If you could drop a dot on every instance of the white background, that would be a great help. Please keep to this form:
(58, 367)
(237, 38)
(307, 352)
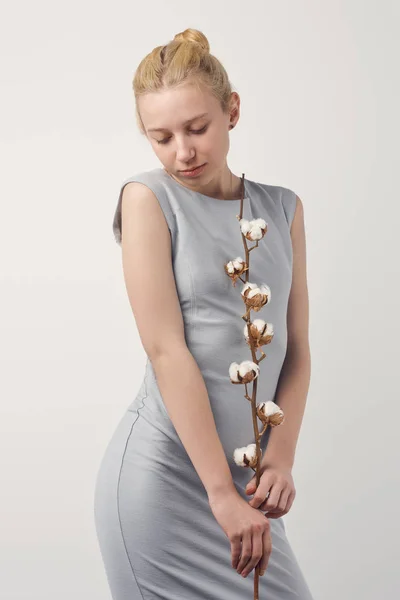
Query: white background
(319, 87)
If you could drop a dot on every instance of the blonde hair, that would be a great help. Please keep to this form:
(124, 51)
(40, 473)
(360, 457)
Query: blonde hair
(185, 59)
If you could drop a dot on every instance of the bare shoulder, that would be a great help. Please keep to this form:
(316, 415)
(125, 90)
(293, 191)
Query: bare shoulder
(139, 200)
(297, 230)
(298, 213)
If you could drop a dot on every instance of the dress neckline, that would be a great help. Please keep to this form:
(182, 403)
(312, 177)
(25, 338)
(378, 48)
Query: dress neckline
(245, 197)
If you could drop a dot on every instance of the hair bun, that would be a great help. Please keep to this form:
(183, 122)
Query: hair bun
(193, 36)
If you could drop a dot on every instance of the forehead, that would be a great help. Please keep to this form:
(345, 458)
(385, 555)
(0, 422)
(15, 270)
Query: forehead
(173, 108)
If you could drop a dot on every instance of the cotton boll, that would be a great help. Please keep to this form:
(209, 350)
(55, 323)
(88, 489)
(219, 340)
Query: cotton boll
(253, 230)
(256, 233)
(269, 330)
(246, 456)
(270, 413)
(253, 292)
(251, 451)
(238, 456)
(245, 226)
(265, 289)
(254, 298)
(238, 261)
(233, 371)
(247, 366)
(270, 408)
(247, 286)
(235, 268)
(244, 373)
(256, 328)
(259, 324)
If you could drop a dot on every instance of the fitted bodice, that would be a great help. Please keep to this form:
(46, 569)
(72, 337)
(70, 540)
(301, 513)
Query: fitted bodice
(205, 234)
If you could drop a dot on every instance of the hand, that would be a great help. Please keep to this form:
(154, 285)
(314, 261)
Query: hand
(278, 481)
(247, 529)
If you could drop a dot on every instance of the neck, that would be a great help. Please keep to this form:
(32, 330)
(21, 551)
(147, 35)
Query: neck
(224, 185)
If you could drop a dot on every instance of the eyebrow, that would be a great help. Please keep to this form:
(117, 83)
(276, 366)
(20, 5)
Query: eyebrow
(185, 123)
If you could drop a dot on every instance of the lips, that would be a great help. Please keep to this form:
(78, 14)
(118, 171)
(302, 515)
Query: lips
(192, 169)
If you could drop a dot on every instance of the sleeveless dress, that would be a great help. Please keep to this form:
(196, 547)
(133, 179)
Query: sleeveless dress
(157, 535)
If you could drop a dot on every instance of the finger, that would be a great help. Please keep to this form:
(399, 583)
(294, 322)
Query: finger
(236, 548)
(259, 496)
(283, 506)
(290, 501)
(261, 491)
(251, 486)
(272, 502)
(246, 551)
(267, 549)
(288, 506)
(256, 552)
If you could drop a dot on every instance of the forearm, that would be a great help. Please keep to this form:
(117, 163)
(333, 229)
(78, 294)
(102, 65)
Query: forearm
(186, 399)
(291, 396)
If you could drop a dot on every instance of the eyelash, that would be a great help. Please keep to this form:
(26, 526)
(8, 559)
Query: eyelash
(196, 131)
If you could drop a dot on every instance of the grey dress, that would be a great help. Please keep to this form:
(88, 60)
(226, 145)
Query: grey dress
(157, 535)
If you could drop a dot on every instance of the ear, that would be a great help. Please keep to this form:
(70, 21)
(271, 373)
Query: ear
(234, 108)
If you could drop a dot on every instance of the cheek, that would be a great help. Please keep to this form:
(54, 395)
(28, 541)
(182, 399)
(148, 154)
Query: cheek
(216, 144)
(162, 152)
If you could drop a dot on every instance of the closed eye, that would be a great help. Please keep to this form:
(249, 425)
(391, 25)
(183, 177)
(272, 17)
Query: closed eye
(195, 131)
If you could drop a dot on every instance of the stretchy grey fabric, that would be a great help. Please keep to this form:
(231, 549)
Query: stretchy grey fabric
(157, 535)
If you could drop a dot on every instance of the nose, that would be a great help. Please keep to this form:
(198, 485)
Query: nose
(184, 150)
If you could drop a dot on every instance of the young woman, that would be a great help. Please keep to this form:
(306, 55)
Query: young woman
(177, 517)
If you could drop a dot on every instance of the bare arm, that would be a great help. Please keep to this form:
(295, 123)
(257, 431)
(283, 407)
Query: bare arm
(294, 379)
(149, 280)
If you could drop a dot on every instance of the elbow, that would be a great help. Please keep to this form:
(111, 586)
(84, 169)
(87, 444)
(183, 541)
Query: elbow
(159, 353)
(299, 351)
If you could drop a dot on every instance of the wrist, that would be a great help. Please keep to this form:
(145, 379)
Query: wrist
(270, 461)
(221, 491)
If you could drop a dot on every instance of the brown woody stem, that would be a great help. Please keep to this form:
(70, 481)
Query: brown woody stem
(257, 434)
